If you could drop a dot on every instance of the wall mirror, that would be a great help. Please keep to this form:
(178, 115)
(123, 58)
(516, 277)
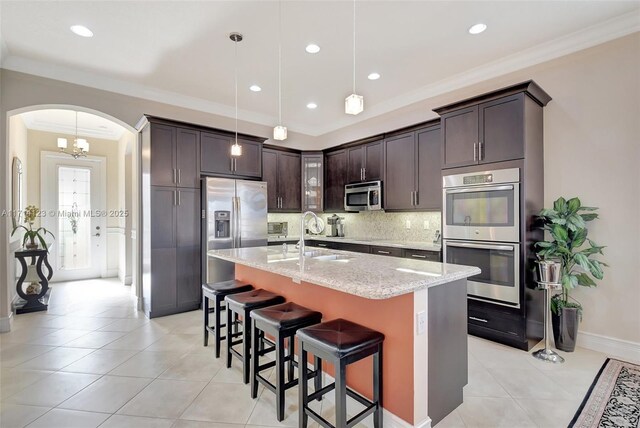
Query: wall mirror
(17, 190)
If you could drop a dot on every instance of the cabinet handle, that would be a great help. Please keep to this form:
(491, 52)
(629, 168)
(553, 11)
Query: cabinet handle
(364, 174)
(322, 245)
(173, 179)
(175, 197)
(475, 152)
(418, 256)
(235, 165)
(415, 197)
(179, 175)
(411, 198)
(480, 150)
(231, 167)
(383, 252)
(179, 198)
(478, 319)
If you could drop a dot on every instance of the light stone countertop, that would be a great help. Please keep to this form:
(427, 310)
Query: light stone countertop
(413, 245)
(366, 275)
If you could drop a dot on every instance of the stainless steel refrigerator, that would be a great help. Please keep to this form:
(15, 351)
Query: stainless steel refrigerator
(235, 216)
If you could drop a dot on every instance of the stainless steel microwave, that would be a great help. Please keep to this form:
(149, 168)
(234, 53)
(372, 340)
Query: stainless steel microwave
(363, 196)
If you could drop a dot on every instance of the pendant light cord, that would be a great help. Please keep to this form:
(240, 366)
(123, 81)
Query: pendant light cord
(75, 142)
(354, 46)
(279, 62)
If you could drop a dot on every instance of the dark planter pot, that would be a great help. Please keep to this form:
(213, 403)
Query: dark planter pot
(565, 329)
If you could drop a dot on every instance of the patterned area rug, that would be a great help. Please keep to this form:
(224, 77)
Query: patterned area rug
(613, 399)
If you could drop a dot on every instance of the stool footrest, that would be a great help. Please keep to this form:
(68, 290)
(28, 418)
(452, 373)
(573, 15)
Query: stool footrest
(359, 398)
(319, 393)
(266, 366)
(319, 419)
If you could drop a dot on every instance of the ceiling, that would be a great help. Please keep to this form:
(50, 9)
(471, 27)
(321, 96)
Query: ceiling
(179, 51)
(64, 122)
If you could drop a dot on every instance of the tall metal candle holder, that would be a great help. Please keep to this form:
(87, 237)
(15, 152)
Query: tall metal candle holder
(550, 273)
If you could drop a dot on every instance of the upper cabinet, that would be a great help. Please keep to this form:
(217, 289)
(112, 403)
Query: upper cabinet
(216, 159)
(174, 156)
(335, 178)
(412, 170)
(365, 162)
(281, 171)
(490, 128)
(312, 182)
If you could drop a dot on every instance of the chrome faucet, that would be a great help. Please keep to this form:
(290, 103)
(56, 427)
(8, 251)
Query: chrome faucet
(301, 243)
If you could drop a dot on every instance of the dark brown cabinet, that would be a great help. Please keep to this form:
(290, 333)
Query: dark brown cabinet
(412, 170)
(335, 179)
(174, 160)
(187, 158)
(188, 248)
(489, 132)
(216, 159)
(282, 172)
(365, 162)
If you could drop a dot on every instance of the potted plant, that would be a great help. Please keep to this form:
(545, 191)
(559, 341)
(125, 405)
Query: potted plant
(34, 237)
(566, 223)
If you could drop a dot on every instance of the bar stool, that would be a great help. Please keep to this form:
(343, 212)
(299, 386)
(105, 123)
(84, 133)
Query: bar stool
(280, 321)
(217, 292)
(341, 342)
(242, 304)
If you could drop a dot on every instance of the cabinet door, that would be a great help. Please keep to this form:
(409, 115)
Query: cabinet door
(289, 181)
(188, 248)
(399, 183)
(163, 213)
(270, 175)
(215, 153)
(163, 281)
(335, 177)
(429, 178)
(312, 182)
(502, 129)
(163, 152)
(355, 158)
(460, 137)
(250, 163)
(187, 158)
(373, 161)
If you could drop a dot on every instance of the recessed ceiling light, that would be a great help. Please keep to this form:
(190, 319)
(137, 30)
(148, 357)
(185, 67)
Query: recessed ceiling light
(477, 29)
(373, 76)
(312, 48)
(312, 106)
(255, 88)
(81, 30)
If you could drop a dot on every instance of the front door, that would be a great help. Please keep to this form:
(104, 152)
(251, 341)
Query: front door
(73, 200)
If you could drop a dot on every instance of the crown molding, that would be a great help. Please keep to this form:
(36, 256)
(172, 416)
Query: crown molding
(60, 128)
(591, 36)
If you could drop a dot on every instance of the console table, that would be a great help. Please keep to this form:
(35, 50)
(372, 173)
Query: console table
(33, 272)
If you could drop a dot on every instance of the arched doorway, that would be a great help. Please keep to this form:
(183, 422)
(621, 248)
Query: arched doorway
(93, 239)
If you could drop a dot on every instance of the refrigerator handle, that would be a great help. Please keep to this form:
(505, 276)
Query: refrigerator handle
(238, 218)
(234, 222)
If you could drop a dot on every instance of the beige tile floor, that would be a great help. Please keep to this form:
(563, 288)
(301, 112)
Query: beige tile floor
(93, 360)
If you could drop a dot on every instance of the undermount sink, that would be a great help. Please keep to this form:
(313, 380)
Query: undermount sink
(331, 257)
(312, 254)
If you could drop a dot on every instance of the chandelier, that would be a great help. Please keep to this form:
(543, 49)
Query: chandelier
(80, 146)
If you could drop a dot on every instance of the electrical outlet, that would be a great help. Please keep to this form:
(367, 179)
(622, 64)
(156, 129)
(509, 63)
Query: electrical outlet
(425, 225)
(421, 322)
(407, 224)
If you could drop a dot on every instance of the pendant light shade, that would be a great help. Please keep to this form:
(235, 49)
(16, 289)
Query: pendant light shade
(354, 103)
(280, 133)
(62, 143)
(236, 149)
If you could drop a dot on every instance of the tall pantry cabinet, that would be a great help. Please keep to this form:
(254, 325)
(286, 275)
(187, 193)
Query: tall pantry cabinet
(171, 219)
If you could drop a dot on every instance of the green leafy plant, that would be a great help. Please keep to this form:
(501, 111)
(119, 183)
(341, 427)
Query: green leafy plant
(566, 223)
(31, 234)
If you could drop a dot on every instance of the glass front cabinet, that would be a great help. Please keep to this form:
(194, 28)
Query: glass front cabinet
(312, 179)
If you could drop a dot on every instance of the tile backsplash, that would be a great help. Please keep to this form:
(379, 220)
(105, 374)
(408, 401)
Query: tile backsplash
(377, 225)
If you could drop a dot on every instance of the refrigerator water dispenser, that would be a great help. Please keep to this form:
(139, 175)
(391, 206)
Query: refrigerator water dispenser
(222, 223)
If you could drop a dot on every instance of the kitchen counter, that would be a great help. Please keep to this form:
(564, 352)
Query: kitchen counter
(364, 275)
(413, 245)
(420, 307)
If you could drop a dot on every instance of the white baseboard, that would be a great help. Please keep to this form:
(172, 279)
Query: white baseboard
(389, 419)
(110, 273)
(5, 323)
(128, 280)
(610, 345)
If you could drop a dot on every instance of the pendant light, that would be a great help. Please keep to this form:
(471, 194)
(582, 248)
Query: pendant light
(80, 145)
(236, 149)
(280, 132)
(354, 104)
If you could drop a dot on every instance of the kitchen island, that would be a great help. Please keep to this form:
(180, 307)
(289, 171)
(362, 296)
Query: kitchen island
(420, 307)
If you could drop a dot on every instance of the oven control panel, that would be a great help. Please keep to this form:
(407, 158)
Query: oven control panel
(478, 179)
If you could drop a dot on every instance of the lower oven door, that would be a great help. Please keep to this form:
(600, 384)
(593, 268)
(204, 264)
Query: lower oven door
(499, 281)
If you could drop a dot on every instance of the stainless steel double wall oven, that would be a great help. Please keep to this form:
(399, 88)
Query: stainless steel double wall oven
(481, 227)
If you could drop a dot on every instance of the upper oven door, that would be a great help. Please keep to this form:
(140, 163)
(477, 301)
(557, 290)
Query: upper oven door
(499, 281)
(485, 213)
